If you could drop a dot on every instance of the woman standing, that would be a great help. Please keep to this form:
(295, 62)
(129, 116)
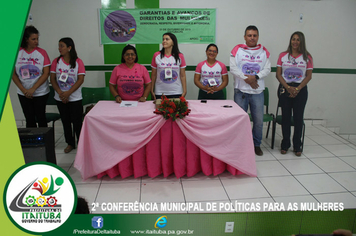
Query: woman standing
(294, 71)
(130, 80)
(211, 75)
(30, 76)
(168, 70)
(67, 76)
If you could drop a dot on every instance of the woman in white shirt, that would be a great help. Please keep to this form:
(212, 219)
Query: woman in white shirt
(294, 71)
(67, 76)
(31, 78)
(168, 70)
(211, 75)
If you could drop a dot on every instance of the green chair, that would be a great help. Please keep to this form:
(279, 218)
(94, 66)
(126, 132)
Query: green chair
(94, 95)
(224, 91)
(267, 117)
(278, 120)
(51, 116)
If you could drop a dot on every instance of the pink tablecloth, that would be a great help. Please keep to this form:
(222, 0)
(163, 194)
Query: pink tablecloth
(134, 141)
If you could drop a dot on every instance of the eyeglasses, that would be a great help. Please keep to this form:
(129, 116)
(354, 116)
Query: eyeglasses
(129, 54)
(213, 51)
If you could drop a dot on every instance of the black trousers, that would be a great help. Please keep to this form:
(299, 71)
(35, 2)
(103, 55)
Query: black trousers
(34, 110)
(296, 106)
(219, 95)
(71, 113)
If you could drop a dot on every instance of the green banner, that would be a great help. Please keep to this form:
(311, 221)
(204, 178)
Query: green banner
(146, 26)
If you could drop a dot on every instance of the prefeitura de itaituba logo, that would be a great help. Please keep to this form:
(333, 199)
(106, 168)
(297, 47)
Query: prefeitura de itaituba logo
(39, 197)
(42, 207)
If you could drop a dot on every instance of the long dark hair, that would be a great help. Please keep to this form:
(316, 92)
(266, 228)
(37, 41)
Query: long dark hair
(302, 45)
(26, 35)
(128, 47)
(175, 49)
(73, 53)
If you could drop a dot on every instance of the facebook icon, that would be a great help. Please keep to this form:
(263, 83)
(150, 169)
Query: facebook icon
(97, 222)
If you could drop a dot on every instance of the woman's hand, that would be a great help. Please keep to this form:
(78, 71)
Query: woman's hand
(210, 90)
(215, 89)
(142, 99)
(206, 88)
(27, 94)
(118, 99)
(296, 91)
(30, 92)
(291, 91)
(64, 96)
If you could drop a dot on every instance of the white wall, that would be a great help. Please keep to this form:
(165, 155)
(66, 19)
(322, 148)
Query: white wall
(77, 19)
(329, 27)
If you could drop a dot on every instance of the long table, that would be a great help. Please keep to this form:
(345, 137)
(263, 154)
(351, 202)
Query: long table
(134, 141)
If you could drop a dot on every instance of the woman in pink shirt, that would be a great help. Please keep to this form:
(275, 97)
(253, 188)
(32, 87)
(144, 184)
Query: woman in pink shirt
(130, 81)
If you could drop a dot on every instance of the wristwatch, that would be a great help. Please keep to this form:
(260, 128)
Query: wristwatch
(257, 77)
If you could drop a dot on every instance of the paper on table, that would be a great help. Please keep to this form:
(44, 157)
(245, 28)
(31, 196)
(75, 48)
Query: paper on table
(128, 104)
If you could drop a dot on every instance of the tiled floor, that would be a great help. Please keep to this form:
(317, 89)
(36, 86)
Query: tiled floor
(326, 172)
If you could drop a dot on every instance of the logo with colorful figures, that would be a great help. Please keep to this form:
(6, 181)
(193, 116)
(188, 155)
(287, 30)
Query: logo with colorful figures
(39, 197)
